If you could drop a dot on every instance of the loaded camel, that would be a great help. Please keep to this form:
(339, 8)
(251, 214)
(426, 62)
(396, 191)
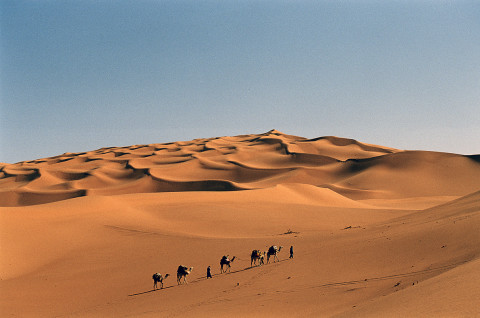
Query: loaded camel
(273, 250)
(257, 255)
(183, 271)
(226, 261)
(158, 278)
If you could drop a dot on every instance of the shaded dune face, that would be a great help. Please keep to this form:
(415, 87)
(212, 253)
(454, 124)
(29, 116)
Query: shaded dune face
(351, 168)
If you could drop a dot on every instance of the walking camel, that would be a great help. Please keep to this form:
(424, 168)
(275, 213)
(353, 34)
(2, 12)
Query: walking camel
(183, 271)
(273, 250)
(257, 255)
(158, 278)
(225, 261)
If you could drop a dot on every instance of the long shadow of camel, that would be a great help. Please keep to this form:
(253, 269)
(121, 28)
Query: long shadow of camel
(427, 270)
(202, 279)
(252, 267)
(151, 291)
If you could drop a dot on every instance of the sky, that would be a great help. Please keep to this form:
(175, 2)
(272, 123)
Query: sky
(81, 75)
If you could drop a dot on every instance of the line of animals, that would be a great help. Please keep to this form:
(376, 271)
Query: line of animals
(255, 256)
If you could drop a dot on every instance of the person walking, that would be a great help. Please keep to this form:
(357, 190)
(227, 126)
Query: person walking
(209, 273)
(291, 251)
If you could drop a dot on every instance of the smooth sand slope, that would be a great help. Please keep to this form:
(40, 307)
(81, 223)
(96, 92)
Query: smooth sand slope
(376, 231)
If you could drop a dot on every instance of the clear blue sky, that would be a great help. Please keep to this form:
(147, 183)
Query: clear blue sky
(81, 75)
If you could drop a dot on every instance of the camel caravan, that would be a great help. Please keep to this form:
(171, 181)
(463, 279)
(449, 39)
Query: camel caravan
(225, 265)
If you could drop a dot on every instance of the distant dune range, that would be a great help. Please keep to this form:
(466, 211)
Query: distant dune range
(347, 167)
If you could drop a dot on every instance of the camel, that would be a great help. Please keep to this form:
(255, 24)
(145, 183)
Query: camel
(273, 250)
(225, 261)
(158, 278)
(257, 255)
(262, 258)
(183, 271)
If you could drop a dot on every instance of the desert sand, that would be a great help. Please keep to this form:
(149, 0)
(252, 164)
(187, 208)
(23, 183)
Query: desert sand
(376, 231)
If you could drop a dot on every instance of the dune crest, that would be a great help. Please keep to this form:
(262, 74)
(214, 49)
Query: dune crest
(353, 169)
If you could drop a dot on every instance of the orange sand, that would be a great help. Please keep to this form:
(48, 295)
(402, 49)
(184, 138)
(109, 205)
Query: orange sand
(376, 231)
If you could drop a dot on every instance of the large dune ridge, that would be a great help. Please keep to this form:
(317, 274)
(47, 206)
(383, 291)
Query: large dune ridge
(376, 231)
(350, 168)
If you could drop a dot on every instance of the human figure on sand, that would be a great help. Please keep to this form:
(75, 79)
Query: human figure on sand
(209, 272)
(225, 261)
(291, 251)
(158, 278)
(183, 271)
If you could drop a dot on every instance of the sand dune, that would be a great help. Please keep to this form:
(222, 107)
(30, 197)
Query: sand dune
(376, 231)
(351, 168)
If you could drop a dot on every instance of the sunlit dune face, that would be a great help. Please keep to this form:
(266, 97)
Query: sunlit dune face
(369, 228)
(348, 167)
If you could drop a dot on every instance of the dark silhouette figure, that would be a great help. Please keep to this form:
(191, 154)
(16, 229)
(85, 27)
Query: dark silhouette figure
(257, 254)
(182, 272)
(158, 278)
(209, 273)
(291, 251)
(273, 250)
(226, 261)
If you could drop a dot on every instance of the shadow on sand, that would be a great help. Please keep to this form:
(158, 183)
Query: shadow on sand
(205, 278)
(151, 291)
(352, 282)
(401, 275)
